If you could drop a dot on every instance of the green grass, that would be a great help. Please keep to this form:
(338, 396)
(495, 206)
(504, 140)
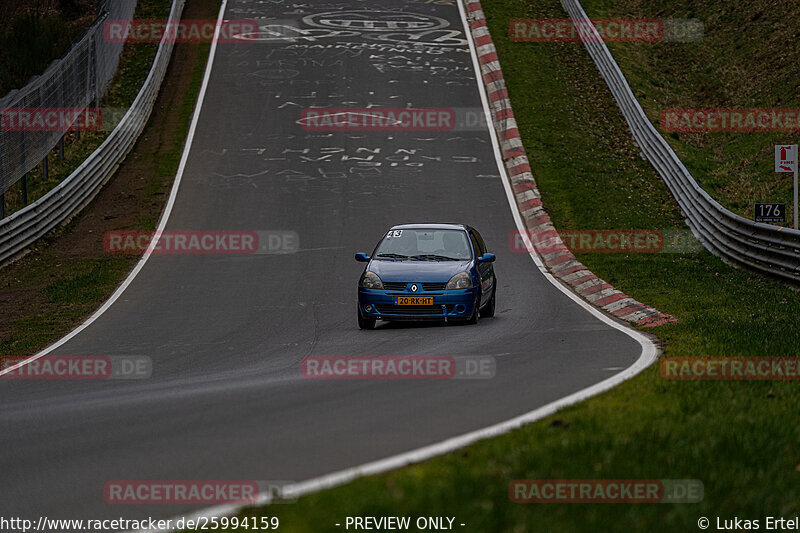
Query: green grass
(87, 283)
(76, 292)
(741, 439)
(135, 63)
(744, 60)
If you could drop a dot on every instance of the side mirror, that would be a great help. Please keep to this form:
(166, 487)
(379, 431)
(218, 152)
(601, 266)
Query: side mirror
(361, 257)
(486, 258)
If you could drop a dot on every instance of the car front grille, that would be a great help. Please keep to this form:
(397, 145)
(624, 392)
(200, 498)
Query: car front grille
(401, 286)
(415, 310)
(395, 285)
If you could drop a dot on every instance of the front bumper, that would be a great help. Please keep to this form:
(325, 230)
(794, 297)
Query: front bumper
(453, 304)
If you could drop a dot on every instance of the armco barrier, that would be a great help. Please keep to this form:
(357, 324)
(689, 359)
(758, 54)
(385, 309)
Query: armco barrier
(768, 249)
(23, 228)
(558, 259)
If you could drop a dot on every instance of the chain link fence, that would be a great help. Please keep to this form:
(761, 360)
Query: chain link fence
(21, 229)
(77, 80)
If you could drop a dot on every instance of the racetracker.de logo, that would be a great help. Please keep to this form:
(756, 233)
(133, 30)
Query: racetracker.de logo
(50, 119)
(377, 119)
(397, 367)
(180, 492)
(598, 241)
(606, 491)
(608, 30)
(731, 120)
(567, 30)
(182, 31)
(201, 242)
(80, 367)
(730, 368)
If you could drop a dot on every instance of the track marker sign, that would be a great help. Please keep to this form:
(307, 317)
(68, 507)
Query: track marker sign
(786, 161)
(770, 213)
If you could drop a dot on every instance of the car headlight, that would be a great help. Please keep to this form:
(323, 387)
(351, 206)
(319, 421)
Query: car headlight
(371, 281)
(459, 281)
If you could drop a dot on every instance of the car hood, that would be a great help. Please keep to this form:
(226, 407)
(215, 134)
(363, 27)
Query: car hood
(432, 271)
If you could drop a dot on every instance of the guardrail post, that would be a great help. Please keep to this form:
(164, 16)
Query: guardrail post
(2, 185)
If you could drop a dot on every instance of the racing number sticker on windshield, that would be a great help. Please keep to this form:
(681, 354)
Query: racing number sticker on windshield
(394, 233)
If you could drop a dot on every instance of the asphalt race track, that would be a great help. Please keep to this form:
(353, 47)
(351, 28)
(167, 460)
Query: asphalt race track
(226, 333)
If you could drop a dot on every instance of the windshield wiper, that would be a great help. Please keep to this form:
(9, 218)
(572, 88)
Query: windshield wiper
(393, 256)
(434, 257)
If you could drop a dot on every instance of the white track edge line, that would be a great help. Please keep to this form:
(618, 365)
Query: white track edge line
(164, 216)
(648, 356)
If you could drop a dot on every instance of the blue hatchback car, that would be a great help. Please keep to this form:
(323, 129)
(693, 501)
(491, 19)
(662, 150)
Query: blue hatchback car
(427, 272)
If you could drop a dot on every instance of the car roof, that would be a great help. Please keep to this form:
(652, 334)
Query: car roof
(462, 227)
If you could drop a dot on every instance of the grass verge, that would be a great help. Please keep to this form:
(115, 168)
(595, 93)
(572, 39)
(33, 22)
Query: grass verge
(68, 275)
(745, 59)
(739, 438)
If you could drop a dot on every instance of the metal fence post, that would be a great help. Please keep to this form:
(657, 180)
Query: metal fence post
(2, 185)
(94, 68)
(24, 183)
(61, 103)
(45, 169)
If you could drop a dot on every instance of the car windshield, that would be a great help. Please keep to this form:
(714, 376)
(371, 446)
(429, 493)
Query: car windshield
(424, 245)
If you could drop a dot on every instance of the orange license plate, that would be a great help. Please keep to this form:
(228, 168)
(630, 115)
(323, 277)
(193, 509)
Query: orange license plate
(413, 300)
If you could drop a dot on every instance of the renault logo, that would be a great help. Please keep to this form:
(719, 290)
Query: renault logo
(414, 288)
